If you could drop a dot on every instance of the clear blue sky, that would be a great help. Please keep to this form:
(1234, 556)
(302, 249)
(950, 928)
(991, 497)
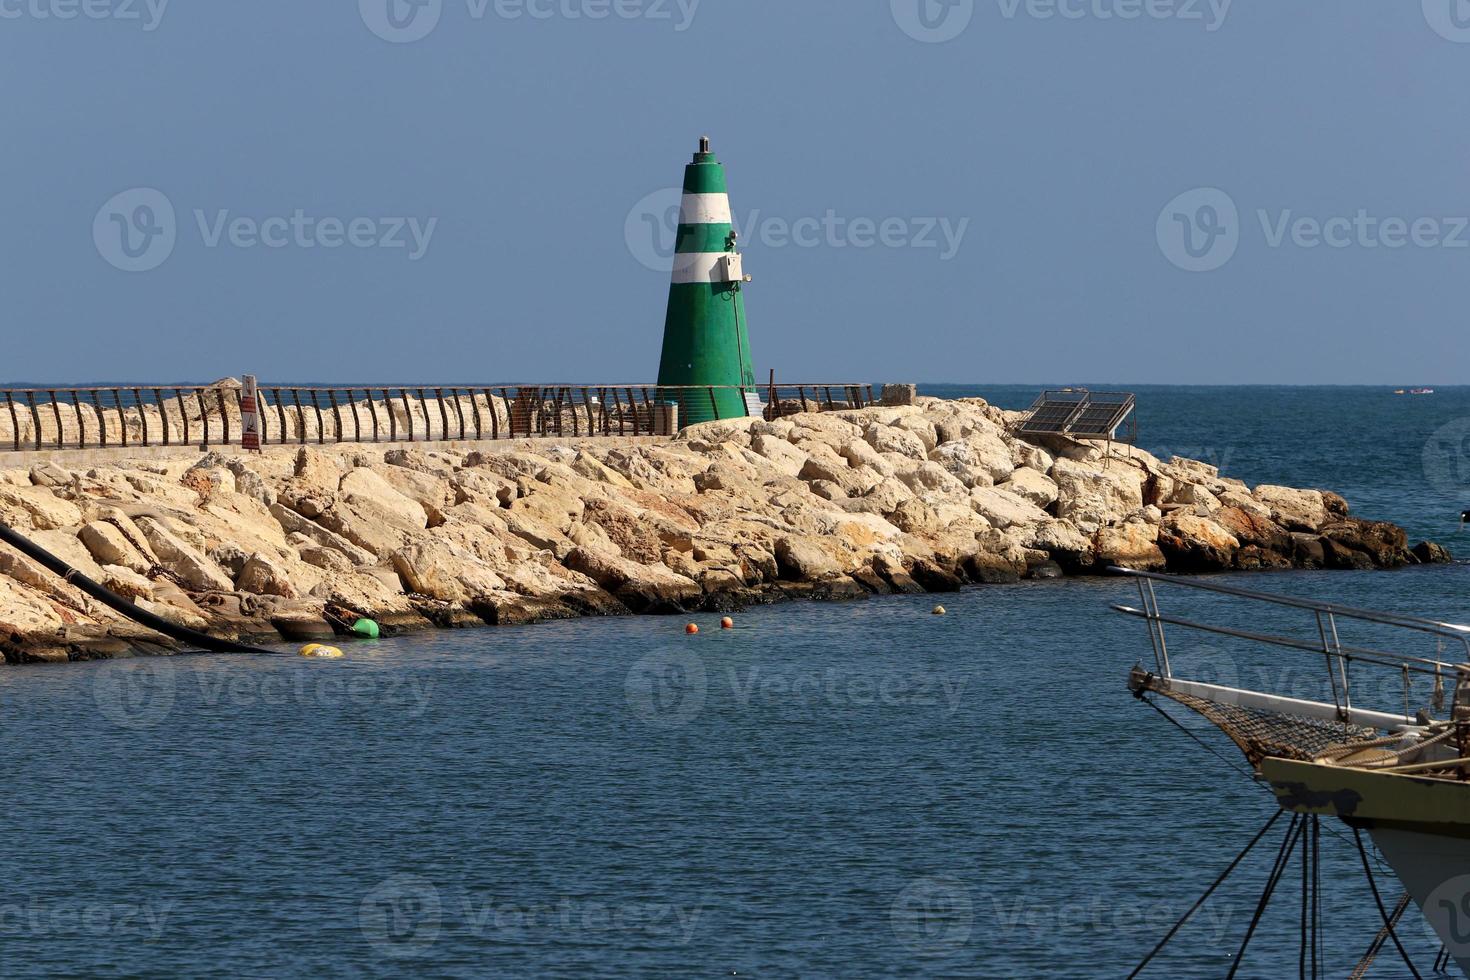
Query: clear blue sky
(1047, 145)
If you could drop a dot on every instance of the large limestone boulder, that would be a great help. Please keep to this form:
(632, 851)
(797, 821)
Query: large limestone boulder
(1341, 555)
(655, 470)
(109, 546)
(17, 567)
(707, 434)
(1092, 496)
(728, 477)
(25, 614)
(901, 442)
(1002, 508)
(861, 455)
(431, 568)
(780, 428)
(824, 469)
(193, 569)
(1033, 457)
(643, 588)
(36, 507)
(431, 491)
(1061, 540)
(1194, 471)
(126, 582)
(1032, 485)
(53, 477)
(805, 560)
(542, 536)
(295, 524)
(1386, 544)
(1244, 501)
(914, 516)
(887, 495)
(931, 477)
(263, 574)
(483, 487)
(1131, 545)
(187, 615)
(317, 469)
(1254, 527)
(253, 485)
(69, 548)
(1296, 510)
(1254, 558)
(1430, 553)
(1307, 550)
(866, 532)
(367, 484)
(588, 465)
(782, 455)
(960, 459)
(1194, 495)
(239, 520)
(1197, 544)
(992, 454)
(1336, 504)
(921, 427)
(638, 535)
(369, 525)
(826, 427)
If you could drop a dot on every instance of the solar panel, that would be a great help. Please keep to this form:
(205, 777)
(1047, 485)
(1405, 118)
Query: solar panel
(1102, 416)
(1079, 413)
(1054, 411)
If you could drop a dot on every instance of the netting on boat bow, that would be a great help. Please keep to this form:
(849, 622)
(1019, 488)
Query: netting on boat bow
(1261, 733)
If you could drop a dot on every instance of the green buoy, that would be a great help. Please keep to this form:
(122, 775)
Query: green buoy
(705, 337)
(366, 628)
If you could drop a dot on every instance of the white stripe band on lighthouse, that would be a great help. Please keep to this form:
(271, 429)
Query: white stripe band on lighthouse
(700, 267)
(705, 209)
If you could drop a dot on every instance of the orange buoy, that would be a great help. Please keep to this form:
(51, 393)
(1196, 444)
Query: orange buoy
(727, 623)
(691, 629)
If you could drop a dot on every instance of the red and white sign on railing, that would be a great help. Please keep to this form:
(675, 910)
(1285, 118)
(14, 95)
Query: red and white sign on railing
(250, 415)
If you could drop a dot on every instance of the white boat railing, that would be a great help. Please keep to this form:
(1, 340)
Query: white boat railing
(1338, 658)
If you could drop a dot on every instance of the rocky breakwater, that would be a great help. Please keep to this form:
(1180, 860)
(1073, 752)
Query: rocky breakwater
(841, 504)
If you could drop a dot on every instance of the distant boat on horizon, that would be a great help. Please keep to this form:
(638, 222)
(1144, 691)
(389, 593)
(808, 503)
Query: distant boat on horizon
(1414, 391)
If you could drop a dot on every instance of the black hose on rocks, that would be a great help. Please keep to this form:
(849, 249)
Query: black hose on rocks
(116, 602)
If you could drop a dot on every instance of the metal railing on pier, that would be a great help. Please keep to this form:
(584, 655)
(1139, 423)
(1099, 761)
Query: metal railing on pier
(127, 416)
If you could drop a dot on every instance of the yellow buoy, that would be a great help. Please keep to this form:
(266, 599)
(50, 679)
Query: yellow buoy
(320, 651)
(940, 610)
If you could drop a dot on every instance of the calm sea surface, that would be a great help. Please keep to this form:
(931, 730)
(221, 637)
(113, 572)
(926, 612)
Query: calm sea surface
(829, 790)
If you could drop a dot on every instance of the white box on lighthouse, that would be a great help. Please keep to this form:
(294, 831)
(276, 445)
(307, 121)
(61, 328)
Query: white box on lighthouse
(732, 268)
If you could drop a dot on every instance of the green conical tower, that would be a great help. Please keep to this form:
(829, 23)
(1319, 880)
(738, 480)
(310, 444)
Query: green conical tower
(705, 337)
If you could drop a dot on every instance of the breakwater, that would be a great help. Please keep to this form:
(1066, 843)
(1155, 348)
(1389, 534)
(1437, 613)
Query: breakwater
(840, 504)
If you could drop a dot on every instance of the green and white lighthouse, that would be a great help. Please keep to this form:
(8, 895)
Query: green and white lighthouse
(706, 341)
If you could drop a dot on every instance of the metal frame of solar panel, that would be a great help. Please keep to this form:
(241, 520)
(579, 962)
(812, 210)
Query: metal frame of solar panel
(1053, 411)
(1105, 411)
